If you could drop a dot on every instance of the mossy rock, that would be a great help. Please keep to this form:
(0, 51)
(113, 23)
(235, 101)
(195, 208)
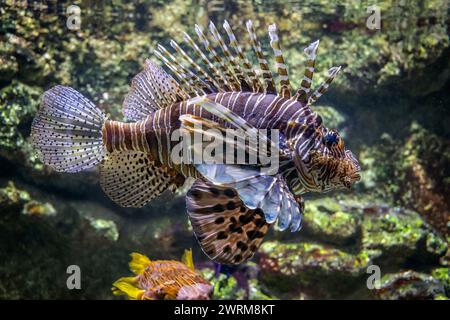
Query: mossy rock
(320, 271)
(401, 236)
(327, 220)
(410, 285)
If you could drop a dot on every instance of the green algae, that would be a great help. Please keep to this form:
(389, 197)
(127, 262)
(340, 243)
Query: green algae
(225, 287)
(107, 228)
(411, 285)
(327, 220)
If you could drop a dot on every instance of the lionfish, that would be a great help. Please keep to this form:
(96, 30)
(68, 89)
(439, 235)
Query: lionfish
(163, 280)
(231, 207)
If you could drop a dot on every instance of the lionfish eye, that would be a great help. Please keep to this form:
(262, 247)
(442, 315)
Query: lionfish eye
(332, 138)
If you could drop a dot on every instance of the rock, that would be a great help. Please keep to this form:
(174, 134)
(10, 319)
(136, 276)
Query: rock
(410, 174)
(107, 228)
(225, 286)
(443, 275)
(399, 235)
(36, 208)
(12, 198)
(18, 104)
(327, 220)
(319, 271)
(410, 285)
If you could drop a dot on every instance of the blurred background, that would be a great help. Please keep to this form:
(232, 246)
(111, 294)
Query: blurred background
(391, 101)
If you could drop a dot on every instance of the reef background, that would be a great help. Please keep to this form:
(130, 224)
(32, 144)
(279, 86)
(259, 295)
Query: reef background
(391, 101)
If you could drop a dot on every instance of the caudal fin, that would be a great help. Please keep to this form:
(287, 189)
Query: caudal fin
(67, 131)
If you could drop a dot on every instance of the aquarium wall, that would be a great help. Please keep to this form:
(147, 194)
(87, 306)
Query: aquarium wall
(386, 238)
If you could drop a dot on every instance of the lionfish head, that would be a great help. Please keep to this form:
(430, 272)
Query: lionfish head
(325, 164)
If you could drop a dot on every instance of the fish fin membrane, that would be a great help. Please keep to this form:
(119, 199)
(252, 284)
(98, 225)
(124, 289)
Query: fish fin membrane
(138, 262)
(131, 179)
(127, 286)
(257, 190)
(239, 143)
(151, 90)
(187, 259)
(228, 117)
(67, 131)
(227, 231)
(230, 70)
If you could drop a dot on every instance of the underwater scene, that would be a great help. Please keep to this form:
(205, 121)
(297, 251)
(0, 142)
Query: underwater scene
(349, 100)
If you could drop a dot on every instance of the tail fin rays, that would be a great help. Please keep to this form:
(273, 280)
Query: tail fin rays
(67, 131)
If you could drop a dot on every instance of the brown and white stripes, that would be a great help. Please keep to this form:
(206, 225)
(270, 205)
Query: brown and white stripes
(152, 135)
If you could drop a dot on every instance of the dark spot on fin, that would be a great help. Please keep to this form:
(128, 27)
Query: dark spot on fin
(227, 231)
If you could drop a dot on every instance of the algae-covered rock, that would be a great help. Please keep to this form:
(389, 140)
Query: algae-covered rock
(107, 228)
(18, 104)
(399, 236)
(443, 275)
(225, 286)
(410, 285)
(327, 220)
(321, 270)
(35, 208)
(240, 282)
(11, 197)
(412, 173)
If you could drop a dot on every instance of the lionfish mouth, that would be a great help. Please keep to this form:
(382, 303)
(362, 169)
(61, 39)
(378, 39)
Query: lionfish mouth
(350, 180)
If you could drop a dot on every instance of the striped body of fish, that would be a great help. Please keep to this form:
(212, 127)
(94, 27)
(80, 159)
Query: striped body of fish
(231, 206)
(163, 280)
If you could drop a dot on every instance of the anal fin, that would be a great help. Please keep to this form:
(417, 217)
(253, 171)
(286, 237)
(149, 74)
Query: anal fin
(131, 179)
(228, 231)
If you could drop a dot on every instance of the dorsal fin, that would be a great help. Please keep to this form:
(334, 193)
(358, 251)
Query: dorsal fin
(197, 84)
(234, 72)
(185, 82)
(212, 69)
(231, 81)
(305, 86)
(151, 89)
(285, 85)
(243, 83)
(254, 81)
(267, 75)
(332, 73)
(212, 84)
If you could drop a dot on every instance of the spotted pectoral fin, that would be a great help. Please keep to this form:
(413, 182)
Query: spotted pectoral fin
(131, 179)
(228, 231)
